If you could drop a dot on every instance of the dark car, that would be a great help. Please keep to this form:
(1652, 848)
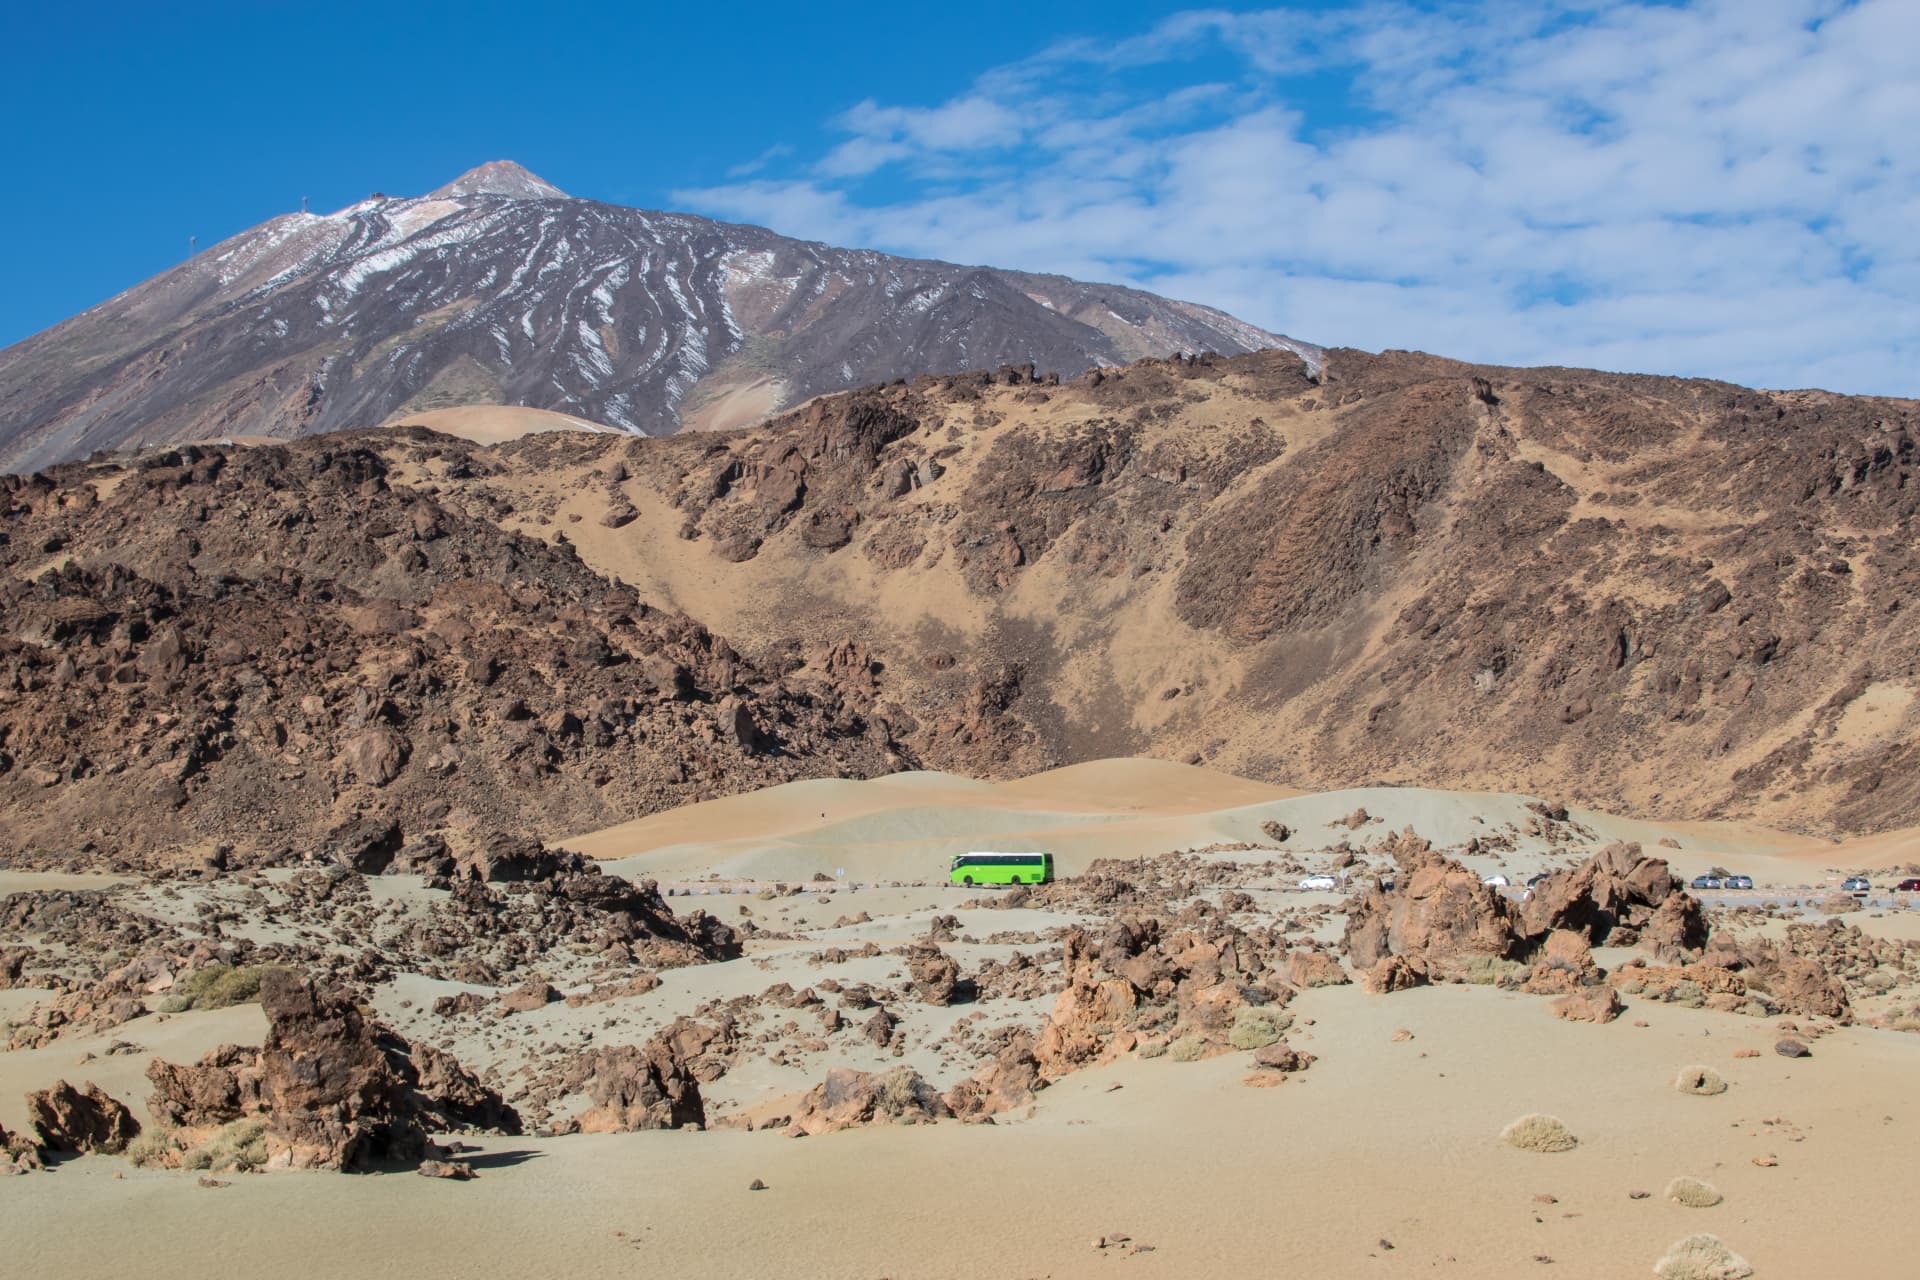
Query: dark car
(1739, 882)
(1707, 882)
(1910, 885)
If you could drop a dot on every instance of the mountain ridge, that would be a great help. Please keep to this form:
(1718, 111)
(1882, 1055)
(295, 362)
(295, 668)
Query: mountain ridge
(497, 288)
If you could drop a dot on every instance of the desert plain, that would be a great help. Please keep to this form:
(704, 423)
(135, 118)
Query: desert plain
(1157, 1134)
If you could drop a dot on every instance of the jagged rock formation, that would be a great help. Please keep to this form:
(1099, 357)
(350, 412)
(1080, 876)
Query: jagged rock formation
(331, 1090)
(287, 650)
(500, 288)
(81, 1120)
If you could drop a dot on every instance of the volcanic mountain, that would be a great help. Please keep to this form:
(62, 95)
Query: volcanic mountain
(500, 288)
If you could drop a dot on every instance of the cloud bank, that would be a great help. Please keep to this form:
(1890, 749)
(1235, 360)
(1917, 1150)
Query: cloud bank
(1728, 188)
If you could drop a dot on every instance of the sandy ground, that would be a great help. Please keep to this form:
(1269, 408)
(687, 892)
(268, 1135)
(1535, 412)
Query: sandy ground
(494, 423)
(1383, 1140)
(906, 827)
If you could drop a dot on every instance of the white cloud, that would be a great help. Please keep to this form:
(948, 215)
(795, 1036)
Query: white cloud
(1727, 188)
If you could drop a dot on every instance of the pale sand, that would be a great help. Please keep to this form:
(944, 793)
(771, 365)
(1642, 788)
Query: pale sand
(1380, 1140)
(183, 1037)
(494, 423)
(907, 826)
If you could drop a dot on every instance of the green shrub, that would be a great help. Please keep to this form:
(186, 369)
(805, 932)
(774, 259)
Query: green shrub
(1702, 1081)
(1694, 1193)
(1187, 1049)
(1492, 971)
(1702, 1257)
(1255, 1028)
(155, 1148)
(1538, 1132)
(215, 987)
(239, 1147)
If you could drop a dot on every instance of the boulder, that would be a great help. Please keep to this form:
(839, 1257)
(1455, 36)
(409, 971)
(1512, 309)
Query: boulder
(375, 755)
(1617, 888)
(936, 974)
(1438, 914)
(18, 1153)
(532, 994)
(848, 1098)
(1280, 1056)
(366, 845)
(640, 1087)
(331, 1098)
(86, 1121)
(331, 1090)
(221, 1088)
(1562, 964)
(1391, 973)
(1009, 1081)
(1589, 1004)
(1309, 967)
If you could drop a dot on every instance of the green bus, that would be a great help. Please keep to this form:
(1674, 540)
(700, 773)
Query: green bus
(1001, 868)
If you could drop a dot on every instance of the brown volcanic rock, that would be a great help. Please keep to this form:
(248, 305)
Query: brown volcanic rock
(331, 1098)
(89, 1120)
(329, 647)
(848, 1098)
(18, 1153)
(644, 1087)
(1412, 563)
(1619, 887)
(1438, 915)
(331, 1090)
(935, 974)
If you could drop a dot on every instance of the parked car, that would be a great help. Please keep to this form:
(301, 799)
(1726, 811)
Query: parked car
(1855, 884)
(1497, 880)
(1319, 882)
(1707, 882)
(1910, 885)
(1739, 882)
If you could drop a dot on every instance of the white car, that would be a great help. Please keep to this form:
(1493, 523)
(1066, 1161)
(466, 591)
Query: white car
(1319, 882)
(1497, 880)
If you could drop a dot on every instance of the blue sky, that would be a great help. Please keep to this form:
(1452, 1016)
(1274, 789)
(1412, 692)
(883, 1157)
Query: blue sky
(1717, 187)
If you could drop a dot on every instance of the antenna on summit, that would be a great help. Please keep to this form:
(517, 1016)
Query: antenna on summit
(303, 204)
(193, 245)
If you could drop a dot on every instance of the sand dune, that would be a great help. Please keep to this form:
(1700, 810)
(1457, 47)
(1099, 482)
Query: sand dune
(493, 423)
(907, 826)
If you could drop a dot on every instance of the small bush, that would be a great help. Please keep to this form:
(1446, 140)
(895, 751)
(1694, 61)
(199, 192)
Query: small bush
(1187, 1049)
(1694, 1193)
(155, 1149)
(1492, 971)
(1152, 1049)
(1538, 1133)
(1702, 1257)
(1701, 1081)
(215, 987)
(239, 1147)
(1257, 1028)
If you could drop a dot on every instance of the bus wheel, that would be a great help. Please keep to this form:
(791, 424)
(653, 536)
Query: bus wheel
(967, 881)
(1013, 880)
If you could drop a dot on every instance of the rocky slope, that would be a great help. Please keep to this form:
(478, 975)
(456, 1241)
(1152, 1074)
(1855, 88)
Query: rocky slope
(246, 655)
(500, 288)
(1661, 596)
(1654, 596)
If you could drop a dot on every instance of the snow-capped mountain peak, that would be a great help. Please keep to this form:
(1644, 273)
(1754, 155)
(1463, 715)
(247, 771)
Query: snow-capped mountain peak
(499, 288)
(500, 178)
